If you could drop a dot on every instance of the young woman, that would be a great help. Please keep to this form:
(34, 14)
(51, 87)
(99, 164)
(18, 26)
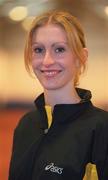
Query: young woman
(65, 132)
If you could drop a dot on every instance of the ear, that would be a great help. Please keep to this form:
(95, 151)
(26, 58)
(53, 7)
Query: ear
(85, 54)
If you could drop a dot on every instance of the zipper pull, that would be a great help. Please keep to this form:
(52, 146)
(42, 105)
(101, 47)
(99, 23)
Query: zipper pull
(46, 131)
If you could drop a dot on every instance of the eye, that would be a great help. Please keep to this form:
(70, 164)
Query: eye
(60, 50)
(38, 50)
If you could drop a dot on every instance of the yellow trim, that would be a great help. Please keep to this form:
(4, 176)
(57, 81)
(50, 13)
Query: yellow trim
(49, 114)
(91, 172)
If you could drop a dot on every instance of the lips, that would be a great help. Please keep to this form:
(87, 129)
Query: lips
(50, 73)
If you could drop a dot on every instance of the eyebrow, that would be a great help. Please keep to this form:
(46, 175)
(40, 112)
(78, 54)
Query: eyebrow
(39, 43)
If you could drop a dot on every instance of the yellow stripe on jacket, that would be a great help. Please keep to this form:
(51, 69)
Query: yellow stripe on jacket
(49, 114)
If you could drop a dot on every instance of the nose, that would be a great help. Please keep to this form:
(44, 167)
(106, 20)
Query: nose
(48, 59)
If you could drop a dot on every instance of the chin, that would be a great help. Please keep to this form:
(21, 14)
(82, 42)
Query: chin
(50, 87)
(53, 86)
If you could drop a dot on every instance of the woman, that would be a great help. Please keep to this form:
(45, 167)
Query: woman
(65, 132)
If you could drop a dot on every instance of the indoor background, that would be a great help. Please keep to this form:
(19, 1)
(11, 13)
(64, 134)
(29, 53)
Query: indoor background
(17, 88)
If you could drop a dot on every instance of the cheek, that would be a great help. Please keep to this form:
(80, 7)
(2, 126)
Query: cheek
(71, 63)
(34, 63)
(72, 68)
(34, 67)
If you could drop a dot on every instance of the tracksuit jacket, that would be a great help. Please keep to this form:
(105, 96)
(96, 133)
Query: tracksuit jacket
(78, 136)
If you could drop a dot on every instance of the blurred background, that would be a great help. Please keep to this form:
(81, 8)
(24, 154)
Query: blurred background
(17, 89)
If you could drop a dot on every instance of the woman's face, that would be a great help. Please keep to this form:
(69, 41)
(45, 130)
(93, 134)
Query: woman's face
(53, 61)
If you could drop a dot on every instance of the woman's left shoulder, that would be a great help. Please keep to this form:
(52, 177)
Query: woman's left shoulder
(101, 115)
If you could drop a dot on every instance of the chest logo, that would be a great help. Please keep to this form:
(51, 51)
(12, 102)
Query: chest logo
(51, 167)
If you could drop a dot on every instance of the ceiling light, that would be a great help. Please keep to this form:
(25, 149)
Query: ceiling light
(26, 23)
(106, 10)
(18, 13)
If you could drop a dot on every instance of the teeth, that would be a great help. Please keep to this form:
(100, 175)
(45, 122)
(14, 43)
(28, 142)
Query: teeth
(50, 73)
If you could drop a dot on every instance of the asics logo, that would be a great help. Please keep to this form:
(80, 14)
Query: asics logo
(53, 168)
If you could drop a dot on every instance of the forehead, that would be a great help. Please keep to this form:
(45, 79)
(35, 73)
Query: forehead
(51, 32)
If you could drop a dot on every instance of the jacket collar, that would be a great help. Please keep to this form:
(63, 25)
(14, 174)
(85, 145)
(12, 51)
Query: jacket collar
(64, 112)
(84, 94)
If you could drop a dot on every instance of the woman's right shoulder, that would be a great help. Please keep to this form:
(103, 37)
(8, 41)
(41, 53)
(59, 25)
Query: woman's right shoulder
(29, 119)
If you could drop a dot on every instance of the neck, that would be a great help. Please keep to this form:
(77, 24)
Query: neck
(53, 97)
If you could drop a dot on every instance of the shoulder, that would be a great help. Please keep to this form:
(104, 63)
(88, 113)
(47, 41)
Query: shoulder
(28, 125)
(30, 118)
(97, 114)
(26, 131)
(99, 122)
(100, 114)
(95, 119)
(100, 111)
(100, 134)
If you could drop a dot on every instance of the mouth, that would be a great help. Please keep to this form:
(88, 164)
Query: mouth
(51, 73)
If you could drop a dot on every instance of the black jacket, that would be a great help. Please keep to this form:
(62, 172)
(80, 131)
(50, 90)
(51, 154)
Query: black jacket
(78, 135)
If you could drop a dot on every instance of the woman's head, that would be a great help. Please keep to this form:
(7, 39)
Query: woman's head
(74, 33)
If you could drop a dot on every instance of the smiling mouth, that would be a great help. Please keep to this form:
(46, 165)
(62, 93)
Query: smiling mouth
(50, 73)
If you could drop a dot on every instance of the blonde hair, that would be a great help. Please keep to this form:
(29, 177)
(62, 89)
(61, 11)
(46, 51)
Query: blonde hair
(74, 32)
